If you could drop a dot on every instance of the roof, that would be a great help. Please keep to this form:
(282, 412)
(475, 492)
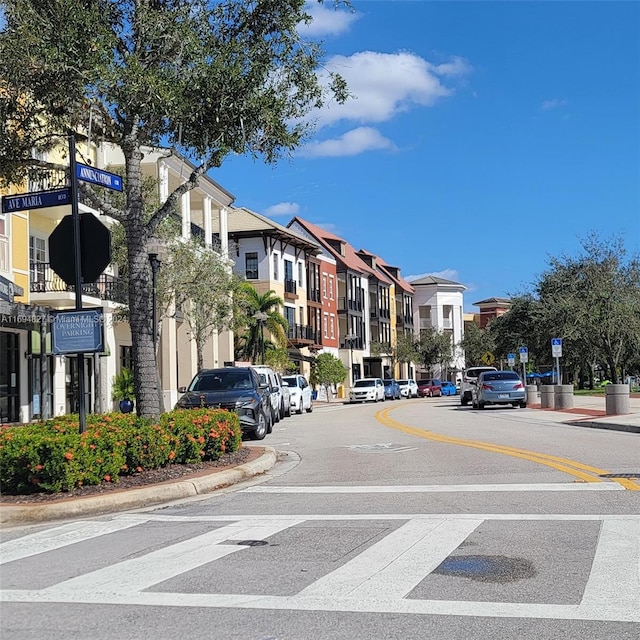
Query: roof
(399, 280)
(434, 280)
(244, 223)
(505, 301)
(349, 259)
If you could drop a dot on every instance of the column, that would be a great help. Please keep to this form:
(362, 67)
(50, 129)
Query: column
(224, 231)
(206, 212)
(185, 207)
(163, 181)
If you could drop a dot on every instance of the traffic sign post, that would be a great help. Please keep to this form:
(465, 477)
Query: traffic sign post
(556, 352)
(511, 359)
(523, 352)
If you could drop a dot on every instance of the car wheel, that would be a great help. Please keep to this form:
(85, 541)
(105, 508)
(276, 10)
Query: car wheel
(261, 429)
(523, 404)
(299, 411)
(288, 412)
(310, 407)
(481, 405)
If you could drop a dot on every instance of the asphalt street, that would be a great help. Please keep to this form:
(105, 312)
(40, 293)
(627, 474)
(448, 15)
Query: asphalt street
(406, 519)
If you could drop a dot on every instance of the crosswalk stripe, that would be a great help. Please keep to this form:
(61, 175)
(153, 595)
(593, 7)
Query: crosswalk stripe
(137, 574)
(615, 572)
(397, 563)
(61, 536)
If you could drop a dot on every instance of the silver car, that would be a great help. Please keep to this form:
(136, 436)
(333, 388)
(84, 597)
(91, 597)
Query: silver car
(498, 387)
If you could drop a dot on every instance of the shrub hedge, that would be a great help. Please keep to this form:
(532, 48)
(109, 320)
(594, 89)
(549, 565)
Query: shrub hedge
(52, 456)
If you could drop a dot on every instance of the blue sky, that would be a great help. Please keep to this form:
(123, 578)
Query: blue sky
(483, 137)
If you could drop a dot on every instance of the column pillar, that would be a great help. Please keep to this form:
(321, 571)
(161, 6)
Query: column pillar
(163, 182)
(185, 207)
(224, 231)
(207, 221)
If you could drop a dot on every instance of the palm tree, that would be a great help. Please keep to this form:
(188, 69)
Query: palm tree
(275, 323)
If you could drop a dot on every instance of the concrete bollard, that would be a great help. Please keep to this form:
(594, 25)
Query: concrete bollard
(532, 393)
(546, 396)
(616, 398)
(563, 396)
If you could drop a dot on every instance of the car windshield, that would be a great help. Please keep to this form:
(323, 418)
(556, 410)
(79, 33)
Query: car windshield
(403, 382)
(501, 375)
(364, 383)
(221, 381)
(290, 380)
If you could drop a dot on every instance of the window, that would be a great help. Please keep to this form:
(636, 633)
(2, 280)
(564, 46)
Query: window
(325, 325)
(37, 261)
(251, 265)
(301, 315)
(276, 263)
(288, 270)
(332, 325)
(331, 287)
(324, 286)
(300, 274)
(126, 358)
(290, 315)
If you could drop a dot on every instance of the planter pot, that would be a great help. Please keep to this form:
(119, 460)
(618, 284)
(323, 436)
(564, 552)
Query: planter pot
(126, 406)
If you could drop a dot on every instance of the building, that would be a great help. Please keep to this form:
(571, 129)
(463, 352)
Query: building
(439, 304)
(491, 308)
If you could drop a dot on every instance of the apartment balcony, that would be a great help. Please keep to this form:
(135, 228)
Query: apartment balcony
(346, 304)
(290, 289)
(358, 343)
(303, 335)
(47, 287)
(313, 295)
(384, 314)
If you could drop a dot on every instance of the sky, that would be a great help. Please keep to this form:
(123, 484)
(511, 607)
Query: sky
(481, 139)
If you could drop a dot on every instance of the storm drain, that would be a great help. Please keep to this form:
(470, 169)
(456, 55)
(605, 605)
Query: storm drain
(620, 475)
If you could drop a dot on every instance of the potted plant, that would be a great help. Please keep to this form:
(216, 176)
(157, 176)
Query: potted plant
(122, 389)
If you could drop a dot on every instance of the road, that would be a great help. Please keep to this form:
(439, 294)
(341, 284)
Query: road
(411, 519)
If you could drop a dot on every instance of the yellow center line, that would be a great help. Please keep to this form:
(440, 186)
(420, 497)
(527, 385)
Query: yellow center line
(583, 472)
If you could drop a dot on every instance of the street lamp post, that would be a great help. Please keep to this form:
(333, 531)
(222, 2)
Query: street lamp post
(351, 338)
(261, 317)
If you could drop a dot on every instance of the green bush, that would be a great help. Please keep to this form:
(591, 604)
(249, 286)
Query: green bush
(52, 456)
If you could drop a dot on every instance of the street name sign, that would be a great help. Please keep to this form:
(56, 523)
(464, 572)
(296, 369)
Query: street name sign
(36, 200)
(524, 354)
(77, 331)
(556, 347)
(97, 176)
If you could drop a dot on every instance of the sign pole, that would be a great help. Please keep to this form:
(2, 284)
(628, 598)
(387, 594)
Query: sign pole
(78, 271)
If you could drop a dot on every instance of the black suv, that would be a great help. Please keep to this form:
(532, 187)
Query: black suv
(235, 389)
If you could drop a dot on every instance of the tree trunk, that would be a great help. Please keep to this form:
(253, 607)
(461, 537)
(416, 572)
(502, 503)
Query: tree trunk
(140, 290)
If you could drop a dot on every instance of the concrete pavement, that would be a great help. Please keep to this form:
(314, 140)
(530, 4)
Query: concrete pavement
(588, 411)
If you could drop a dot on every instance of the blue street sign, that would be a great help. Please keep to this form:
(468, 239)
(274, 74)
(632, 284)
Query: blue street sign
(36, 200)
(523, 350)
(98, 176)
(77, 331)
(556, 342)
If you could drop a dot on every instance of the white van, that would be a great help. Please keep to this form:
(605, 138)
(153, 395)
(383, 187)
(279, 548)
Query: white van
(273, 380)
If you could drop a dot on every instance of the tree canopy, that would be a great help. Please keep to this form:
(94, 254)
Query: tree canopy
(205, 78)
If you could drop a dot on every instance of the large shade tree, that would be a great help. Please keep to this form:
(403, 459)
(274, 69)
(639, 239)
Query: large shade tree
(206, 78)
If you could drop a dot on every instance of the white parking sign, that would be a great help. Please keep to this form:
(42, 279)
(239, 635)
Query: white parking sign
(524, 354)
(556, 347)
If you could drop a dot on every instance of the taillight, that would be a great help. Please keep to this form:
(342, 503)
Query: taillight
(519, 385)
(487, 387)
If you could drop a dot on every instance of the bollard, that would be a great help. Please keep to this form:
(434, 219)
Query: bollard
(546, 396)
(563, 396)
(532, 394)
(616, 398)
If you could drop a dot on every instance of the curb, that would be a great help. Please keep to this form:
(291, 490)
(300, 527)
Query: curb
(629, 428)
(96, 505)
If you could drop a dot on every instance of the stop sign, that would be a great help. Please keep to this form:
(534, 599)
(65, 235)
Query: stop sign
(95, 249)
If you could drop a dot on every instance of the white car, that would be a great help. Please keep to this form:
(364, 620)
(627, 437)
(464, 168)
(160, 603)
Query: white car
(408, 388)
(367, 390)
(268, 375)
(299, 393)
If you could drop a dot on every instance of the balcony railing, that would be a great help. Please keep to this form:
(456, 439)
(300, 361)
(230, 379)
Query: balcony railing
(345, 304)
(314, 295)
(48, 179)
(408, 320)
(384, 313)
(303, 332)
(43, 279)
(290, 286)
(351, 344)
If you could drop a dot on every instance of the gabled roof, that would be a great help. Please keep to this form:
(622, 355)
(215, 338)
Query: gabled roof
(390, 271)
(325, 238)
(244, 223)
(435, 280)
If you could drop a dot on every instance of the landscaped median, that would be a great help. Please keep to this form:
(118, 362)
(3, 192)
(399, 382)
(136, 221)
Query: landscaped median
(53, 457)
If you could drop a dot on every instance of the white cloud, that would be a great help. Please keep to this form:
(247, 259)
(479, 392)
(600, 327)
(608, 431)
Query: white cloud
(352, 143)
(447, 274)
(385, 84)
(326, 20)
(282, 209)
(555, 103)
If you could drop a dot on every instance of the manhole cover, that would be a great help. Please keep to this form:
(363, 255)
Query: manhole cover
(252, 543)
(620, 475)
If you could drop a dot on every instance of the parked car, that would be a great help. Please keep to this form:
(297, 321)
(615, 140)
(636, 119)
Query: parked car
(408, 388)
(429, 388)
(285, 409)
(448, 388)
(498, 387)
(391, 389)
(367, 390)
(236, 389)
(300, 393)
(268, 375)
(469, 380)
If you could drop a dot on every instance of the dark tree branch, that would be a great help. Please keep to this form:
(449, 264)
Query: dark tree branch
(101, 203)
